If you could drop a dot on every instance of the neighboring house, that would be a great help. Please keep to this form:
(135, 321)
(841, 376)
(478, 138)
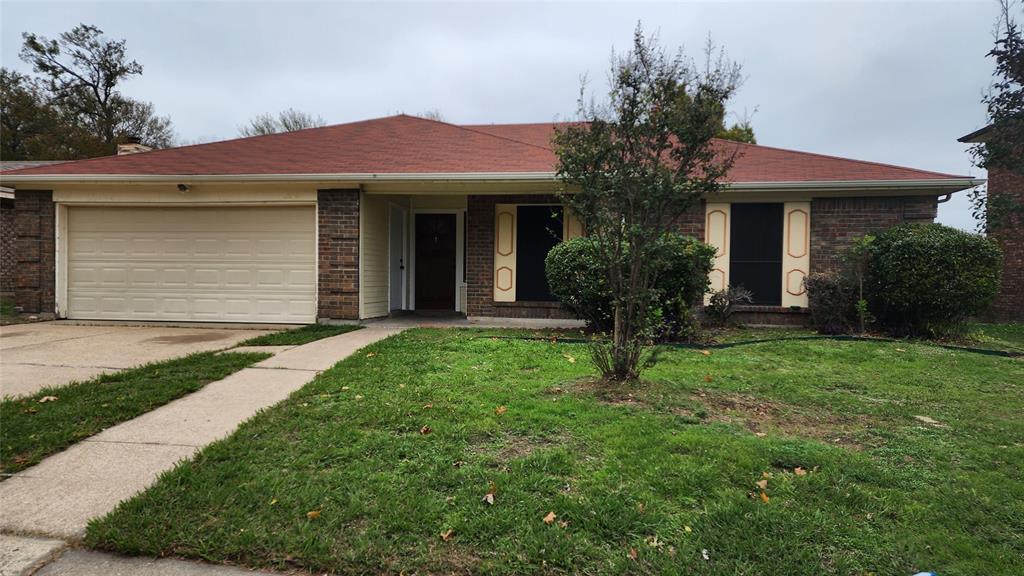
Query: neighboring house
(370, 218)
(8, 267)
(1009, 234)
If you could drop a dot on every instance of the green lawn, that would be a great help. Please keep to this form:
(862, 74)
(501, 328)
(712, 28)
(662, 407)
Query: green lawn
(303, 335)
(365, 468)
(34, 427)
(998, 336)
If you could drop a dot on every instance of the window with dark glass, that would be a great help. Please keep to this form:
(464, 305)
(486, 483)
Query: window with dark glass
(538, 230)
(755, 242)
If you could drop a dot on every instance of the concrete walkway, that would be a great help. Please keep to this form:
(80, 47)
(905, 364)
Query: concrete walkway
(58, 497)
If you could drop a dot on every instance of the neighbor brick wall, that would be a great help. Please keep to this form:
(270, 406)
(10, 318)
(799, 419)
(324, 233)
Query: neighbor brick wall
(7, 258)
(836, 223)
(34, 255)
(1009, 234)
(338, 254)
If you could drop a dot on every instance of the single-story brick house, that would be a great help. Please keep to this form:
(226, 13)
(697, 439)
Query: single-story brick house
(366, 219)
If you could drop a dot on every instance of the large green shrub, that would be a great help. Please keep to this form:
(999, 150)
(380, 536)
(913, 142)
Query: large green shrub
(927, 280)
(682, 265)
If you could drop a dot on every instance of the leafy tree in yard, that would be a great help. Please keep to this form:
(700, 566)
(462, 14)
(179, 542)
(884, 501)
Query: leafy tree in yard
(288, 120)
(739, 132)
(80, 72)
(1002, 148)
(631, 167)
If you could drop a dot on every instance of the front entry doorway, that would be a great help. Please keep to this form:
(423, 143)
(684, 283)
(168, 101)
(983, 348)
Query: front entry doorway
(435, 261)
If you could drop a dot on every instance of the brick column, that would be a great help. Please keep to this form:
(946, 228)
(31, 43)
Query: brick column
(34, 252)
(8, 260)
(338, 254)
(1009, 234)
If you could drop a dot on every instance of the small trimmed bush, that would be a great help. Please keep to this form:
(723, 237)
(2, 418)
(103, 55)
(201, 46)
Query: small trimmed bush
(682, 266)
(927, 280)
(830, 300)
(723, 303)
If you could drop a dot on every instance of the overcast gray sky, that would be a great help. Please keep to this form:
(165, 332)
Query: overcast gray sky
(895, 83)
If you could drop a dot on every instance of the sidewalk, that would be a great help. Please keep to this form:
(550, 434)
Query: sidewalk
(58, 497)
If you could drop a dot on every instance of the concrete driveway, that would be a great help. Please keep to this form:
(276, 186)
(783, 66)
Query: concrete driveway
(33, 356)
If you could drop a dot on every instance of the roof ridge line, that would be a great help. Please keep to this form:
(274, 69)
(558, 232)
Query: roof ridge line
(461, 127)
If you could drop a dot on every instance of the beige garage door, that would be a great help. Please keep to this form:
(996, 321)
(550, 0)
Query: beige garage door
(242, 264)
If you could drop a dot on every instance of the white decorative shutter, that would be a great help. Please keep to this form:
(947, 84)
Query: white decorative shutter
(505, 253)
(716, 233)
(796, 252)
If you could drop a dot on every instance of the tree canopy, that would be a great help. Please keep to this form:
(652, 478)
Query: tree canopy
(288, 120)
(633, 165)
(74, 108)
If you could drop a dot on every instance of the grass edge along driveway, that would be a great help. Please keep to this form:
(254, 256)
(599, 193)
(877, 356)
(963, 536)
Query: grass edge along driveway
(51, 420)
(302, 335)
(792, 457)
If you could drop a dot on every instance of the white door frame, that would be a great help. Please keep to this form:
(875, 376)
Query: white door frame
(405, 253)
(460, 217)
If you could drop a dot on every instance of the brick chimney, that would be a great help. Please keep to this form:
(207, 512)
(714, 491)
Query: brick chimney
(131, 145)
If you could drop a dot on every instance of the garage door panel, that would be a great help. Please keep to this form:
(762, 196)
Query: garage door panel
(216, 264)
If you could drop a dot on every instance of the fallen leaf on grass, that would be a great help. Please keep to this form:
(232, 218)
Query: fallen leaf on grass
(706, 352)
(489, 497)
(924, 419)
(550, 518)
(500, 410)
(371, 354)
(45, 399)
(447, 534)
(900, 350)
(570, 358)
(273, 502)
(428, 406)
(632, 553)
(762, 484)
(799, 471)
(707, 378)
(760, 434)
(425, 430)
(313, 514)
(764, 497)
(704, 554)
(688, 529)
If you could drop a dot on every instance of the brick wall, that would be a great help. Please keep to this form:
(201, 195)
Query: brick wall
(34, 256)
(338, 248)
(7, 258)
(1009, 304)
(836, 223)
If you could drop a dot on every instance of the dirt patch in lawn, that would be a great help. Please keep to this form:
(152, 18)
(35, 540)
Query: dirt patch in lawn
(512, 446)
(762, 416)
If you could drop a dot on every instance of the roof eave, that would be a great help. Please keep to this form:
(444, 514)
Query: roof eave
(957, 183)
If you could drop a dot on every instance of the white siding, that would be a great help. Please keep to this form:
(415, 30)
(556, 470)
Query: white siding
(373, 256)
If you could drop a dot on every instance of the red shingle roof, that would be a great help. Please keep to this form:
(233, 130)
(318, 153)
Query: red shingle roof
(410, 145)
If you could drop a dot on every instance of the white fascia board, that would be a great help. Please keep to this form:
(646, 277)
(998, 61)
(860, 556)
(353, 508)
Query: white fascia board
(944, 183)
